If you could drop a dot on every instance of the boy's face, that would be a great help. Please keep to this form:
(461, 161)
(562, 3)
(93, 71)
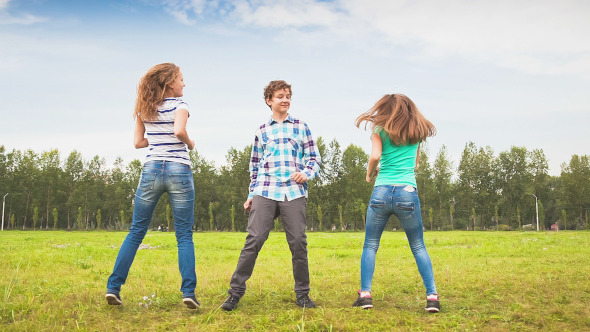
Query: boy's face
(280, 101)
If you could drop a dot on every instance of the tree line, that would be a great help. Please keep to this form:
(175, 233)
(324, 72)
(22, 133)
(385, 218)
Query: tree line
(484, 191)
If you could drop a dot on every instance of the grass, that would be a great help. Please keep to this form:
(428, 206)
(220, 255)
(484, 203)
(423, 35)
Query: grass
(56, 280)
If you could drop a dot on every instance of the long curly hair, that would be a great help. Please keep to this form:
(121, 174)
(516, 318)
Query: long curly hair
(400, 118)
(152, 88)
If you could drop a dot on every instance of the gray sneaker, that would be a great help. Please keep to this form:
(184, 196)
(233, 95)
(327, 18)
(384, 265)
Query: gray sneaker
(363, 302)
(231, 303)
(305, 302)
(432, 303)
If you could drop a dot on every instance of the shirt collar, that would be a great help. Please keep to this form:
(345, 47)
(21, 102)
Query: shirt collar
(289, 118)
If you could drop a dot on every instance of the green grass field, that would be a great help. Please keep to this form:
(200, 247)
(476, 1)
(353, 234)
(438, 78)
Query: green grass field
(55, 280)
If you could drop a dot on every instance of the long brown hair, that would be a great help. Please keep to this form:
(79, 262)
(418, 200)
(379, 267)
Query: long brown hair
(151, 89)
(400, 118)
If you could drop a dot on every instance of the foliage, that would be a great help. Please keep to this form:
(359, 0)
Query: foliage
(98, 219)
(492, 187)
(79, 218)
(320, 218)
(123, 221)
(233, 218)
(168, 216)
(35, 217)
(55, 214)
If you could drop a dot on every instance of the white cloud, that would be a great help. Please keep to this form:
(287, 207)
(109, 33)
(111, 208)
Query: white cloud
(533, 36)
(281, 14)
(182, 10)
(179, 9)
(539, 37)
(26, 19)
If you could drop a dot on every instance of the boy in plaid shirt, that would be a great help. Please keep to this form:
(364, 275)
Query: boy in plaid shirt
(284, 157)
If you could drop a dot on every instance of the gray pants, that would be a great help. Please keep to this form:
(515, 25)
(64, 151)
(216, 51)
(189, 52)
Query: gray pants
(260, 223)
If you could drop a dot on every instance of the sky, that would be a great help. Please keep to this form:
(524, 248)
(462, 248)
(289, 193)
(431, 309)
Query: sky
(496, 73)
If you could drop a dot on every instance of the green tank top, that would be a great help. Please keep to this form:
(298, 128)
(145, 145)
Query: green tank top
(397, 162)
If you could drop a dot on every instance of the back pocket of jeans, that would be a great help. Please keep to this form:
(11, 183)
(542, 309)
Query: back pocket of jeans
(181, 182)
(376, 203)
(406, 206)
(147, 181)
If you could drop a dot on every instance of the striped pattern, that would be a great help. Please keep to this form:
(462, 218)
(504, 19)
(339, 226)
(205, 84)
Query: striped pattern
(279, 150)
(160, 134)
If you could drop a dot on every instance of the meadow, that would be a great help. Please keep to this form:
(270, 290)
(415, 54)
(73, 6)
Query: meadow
(55, 280)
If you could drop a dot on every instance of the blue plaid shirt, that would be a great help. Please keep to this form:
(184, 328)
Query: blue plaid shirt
(279, 150)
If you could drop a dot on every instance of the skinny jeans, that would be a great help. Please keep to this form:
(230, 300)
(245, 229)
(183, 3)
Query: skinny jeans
(404, 203)
(158, 177)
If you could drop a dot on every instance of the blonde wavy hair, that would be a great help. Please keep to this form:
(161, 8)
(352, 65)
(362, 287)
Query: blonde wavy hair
(400, 118)
(152, 88)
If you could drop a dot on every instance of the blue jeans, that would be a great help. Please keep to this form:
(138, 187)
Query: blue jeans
(158, 177)
(404, 203)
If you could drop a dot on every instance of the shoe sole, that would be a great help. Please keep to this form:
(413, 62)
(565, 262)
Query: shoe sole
(432, 309)
(113, 300)
(365, 306)
(228, 309)
(191, 304)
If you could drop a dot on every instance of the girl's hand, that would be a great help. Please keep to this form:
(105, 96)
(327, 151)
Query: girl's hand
(191, 146)
(371, 177)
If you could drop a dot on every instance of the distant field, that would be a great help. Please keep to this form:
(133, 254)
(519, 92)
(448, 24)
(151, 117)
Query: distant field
(55, 280)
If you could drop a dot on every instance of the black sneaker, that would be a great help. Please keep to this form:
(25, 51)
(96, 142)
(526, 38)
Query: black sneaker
(305, 302)
(432, 303)
(113, 299)
(191, 302)
(363, 302)
(231, 303)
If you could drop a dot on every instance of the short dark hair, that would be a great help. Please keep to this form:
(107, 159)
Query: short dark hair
(274, 86)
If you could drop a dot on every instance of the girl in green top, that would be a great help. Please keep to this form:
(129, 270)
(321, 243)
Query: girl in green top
(398, 129)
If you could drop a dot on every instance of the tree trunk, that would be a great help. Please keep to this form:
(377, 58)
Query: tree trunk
(26, 209)
(47, 206)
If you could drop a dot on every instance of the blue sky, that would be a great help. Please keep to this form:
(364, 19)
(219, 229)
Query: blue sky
(497, 73)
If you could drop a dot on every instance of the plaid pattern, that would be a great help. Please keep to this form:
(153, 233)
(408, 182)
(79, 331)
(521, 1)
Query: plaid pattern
(279, 150)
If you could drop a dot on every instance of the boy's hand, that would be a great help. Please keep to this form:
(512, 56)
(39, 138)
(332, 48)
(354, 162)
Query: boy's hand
(299, 177)
(248, 204)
